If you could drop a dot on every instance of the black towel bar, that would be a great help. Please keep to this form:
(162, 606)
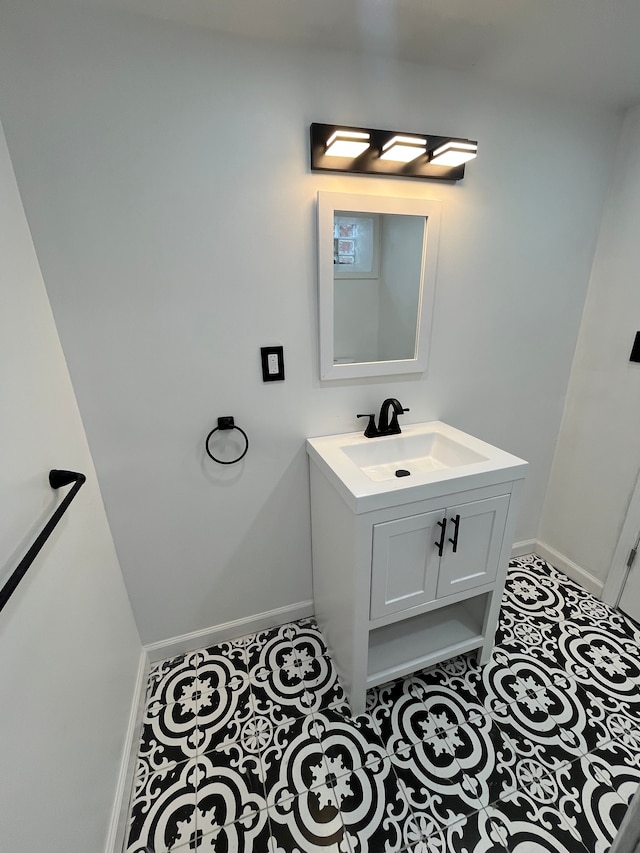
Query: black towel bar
(57, 479)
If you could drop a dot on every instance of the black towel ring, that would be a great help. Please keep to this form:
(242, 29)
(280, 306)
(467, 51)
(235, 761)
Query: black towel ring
(227, 423)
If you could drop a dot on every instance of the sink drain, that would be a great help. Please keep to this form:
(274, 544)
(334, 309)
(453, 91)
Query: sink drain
(402, 472)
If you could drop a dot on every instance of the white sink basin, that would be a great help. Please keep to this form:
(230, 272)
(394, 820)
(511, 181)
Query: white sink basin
(365, 470)
(381, 459)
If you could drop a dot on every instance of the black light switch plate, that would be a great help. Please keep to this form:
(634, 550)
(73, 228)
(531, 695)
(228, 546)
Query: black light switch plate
(635, 352)
(272, 364)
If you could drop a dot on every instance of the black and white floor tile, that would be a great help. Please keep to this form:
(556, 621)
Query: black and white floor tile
(249, 746)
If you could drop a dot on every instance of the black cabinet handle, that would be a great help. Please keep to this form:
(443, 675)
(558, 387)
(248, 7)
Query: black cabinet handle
(456, 525)
(440, 544)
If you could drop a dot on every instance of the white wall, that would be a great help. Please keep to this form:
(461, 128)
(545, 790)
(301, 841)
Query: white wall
(165, 178)
(69, 649)
(598, 455)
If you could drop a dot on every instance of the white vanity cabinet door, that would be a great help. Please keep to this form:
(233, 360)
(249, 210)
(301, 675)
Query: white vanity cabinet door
(404, 567)
(475, 561)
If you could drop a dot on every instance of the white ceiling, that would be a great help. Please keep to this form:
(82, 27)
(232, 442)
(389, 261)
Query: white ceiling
(584, 49)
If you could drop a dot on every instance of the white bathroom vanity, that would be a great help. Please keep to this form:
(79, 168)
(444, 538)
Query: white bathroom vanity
(412, 535)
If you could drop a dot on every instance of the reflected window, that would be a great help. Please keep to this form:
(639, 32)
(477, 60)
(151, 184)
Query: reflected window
(356, 245)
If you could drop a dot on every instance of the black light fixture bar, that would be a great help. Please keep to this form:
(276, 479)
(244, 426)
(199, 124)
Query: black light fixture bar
(371, 163)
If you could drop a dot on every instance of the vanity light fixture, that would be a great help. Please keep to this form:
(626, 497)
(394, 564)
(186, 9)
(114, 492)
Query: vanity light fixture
(347, 143)
(403, 149)
(366, 151)
(454, 152)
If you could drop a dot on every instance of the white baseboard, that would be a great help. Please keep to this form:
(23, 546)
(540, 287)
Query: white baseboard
(228, 631)
(590, 582)
(527, 546)
(117, 825)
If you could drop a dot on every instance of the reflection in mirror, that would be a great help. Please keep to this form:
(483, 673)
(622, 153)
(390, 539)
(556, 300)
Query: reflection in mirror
(377, 273)
(376, 277)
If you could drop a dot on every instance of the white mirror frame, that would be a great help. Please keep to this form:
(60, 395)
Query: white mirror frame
(328, 203)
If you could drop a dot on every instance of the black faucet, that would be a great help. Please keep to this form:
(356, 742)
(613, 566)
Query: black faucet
(384, 427)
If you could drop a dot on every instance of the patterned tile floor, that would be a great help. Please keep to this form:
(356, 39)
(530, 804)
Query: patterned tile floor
(250, 746)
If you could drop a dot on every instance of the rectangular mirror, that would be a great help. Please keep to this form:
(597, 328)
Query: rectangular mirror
(376, 279)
